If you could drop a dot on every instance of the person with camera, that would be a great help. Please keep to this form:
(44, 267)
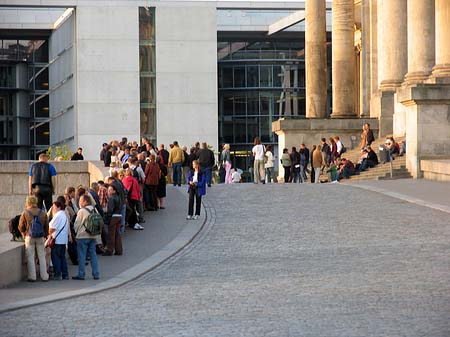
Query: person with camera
(197, 188)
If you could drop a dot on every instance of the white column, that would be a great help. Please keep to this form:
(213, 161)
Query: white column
(316, 59)
(442, 67)
(421, 44)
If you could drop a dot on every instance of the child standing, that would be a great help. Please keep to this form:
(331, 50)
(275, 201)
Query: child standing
(197, 188)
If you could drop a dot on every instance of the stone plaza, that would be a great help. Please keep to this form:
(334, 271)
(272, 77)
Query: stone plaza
(281, 260)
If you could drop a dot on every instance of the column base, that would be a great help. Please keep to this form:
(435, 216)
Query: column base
(347, 115)
(416, 77)
(441, 74)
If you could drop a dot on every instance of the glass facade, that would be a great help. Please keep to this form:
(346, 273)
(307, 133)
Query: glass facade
(24, 101)
(147, 72)
(260, 80)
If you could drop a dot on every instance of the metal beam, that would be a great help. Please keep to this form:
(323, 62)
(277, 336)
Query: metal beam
(286, 22)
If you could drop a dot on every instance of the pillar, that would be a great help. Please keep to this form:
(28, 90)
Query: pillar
(316, 59)
(393, 60)
(364, 102)
(442, 67)
(344, 59)
(421, 45)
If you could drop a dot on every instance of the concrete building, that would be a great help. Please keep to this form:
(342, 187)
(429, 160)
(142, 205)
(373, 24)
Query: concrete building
(131, 68)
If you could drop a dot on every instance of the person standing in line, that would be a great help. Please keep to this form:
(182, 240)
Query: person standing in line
(206, 160)
(113, 219)
(226, 162)
(161, 190)
(286, 163)
(103, 152)
(269, 165)
(258, 152)
(185, 165)
(78, 155)
(152, 175)
(42, 181)
(317, 162)
(33, 225)
(197, 188)
(176, 159)
(85, 242)
(59, 229)
(312, 176)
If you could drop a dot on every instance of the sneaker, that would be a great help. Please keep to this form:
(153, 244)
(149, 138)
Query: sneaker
(78, 278)
(195, 217)
(188, 217)
(138, 227)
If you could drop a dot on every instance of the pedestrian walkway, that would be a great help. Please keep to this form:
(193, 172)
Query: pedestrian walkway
(165, 232)
(281, 260)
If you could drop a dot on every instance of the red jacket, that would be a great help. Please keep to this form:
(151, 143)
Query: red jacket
(132, 186)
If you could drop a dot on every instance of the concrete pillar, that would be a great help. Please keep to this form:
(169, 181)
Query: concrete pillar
(421, 45)
(316, 59)
(392, 57)
(344, 59)
(364, 110)
(375, 104)
(442, 67)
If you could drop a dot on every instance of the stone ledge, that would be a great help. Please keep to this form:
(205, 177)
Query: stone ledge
(320, 124)
(12, 267)
(436, 169)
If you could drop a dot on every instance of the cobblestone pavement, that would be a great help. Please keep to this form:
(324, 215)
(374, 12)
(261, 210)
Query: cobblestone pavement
(279, 260)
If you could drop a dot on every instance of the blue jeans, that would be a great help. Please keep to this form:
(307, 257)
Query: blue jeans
(176, 168)
(87, 246)
(208, 174)
(59, 261)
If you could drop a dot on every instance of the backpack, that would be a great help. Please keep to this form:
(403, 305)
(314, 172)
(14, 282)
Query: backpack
(94, 223)
(13, 225)
(37, 228)
(137, 176)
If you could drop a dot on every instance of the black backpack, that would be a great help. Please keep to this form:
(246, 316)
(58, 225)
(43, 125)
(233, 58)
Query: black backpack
(37, 228)
(136, 175)
(13, 225)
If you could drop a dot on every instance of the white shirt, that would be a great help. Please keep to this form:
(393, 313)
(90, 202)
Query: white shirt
(258, 151)
(235, 177)
(270, 161)
(59, 221)
(339, 146)
(195, 177)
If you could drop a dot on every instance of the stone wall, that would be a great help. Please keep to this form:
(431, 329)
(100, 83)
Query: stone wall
(14, 183)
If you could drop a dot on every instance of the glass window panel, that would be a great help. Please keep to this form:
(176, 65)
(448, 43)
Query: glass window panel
(40, 51)
(252, 76)
(147, 58)
(7, 79)
(228, 105)
(6, 105)
(147, 89)
(42, 107)
(239, 77)
(277, 76)
(41, 81)
(240, 104)
(266, 129)
(267, 104)
(148, 123)
(252, 129)
(227, 129)
(239, 124)
(43, 134)
(146, 23)
(25, 49)
(227, 77)
(9, 50)
(253, 103)
(265, 73)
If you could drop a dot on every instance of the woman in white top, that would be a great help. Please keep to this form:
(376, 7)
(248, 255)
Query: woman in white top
(59, 229)
(269, 165)
(258, 167)
(226, 159)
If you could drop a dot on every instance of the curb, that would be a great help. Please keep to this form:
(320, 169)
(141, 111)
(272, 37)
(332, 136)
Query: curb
(403, 197)
(180, 242)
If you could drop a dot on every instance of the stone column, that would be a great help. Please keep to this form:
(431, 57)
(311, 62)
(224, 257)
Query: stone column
(316, 59)
(442, 67)
(421, 45)
(364, 110)
(393, 61)
(344, 59)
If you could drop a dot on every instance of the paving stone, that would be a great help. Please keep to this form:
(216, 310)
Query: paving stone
(279, 260)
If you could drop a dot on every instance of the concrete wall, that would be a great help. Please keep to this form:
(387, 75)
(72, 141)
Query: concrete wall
(107, 58)
(62, 84)
(186, 74)
(14, 183)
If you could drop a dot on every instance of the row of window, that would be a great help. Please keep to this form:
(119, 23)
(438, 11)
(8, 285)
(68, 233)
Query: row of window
(35, 51)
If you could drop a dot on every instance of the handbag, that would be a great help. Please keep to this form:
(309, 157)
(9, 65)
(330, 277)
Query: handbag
(50, 242)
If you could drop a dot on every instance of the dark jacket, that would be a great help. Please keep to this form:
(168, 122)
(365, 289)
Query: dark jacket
(373, 157)
(206, 158)
(370, 137)
(201, 184)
